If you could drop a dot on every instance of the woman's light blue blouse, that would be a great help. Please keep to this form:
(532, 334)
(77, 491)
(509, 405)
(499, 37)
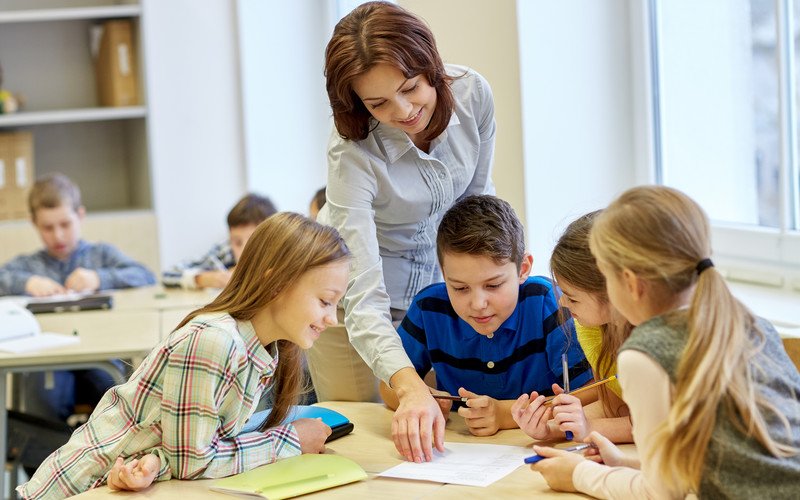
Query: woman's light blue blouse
(386, 197)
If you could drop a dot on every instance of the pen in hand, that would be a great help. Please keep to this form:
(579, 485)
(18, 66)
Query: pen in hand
(450, 398)
(535, 458)
(565, 375)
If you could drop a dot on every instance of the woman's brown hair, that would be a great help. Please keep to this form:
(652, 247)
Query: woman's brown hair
(382, 33)
(572, 261)
(281, 249)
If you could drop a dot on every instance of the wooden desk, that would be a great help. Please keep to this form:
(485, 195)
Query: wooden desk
(159, 298)
(370, 445)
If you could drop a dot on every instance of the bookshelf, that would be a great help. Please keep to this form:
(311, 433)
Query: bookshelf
(46, 57)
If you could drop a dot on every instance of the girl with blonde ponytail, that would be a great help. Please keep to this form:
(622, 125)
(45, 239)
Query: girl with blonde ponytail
(712, 394)
(183, 412)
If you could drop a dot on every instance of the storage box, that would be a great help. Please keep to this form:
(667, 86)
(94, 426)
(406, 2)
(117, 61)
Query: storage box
(115, 64)
(16, 174)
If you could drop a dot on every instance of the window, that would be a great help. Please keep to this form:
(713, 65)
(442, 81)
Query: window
(724, 125)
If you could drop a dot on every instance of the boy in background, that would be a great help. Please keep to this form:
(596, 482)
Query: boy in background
(214, 269)
(491, 332)
(66, 263)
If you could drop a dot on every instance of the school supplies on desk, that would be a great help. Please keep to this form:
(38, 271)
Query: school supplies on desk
(292, 477)
(339, 424)
(565, 374)
(20, 332)
(69, 302)
(550, 399)
(469, 464)
(578, 447)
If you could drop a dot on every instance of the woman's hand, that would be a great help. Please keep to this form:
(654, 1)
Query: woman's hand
(480, 413)
(444, 404)
(531, 415)
(558, 467)
(312, 433)
(569, 416)
(136, 475)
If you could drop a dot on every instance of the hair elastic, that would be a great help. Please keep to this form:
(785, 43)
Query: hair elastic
(703, 265)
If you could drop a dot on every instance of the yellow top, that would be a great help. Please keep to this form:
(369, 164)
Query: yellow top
(591, 339)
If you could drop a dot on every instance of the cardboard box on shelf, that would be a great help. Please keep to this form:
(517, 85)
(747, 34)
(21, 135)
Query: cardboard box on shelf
(16, 174)
(115, 63)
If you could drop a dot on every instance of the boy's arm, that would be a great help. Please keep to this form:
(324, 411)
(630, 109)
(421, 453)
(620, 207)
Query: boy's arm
(117, 270)
(388, 395)
(185, 273)
(14, 276)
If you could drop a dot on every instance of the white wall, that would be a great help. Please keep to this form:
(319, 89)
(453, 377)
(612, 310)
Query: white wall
(577, 108)
(195, 132)
(286, 112)
(492, 49)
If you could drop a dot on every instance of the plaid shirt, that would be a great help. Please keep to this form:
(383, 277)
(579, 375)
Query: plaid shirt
(219, 258)
(187, 403)
(115, 269)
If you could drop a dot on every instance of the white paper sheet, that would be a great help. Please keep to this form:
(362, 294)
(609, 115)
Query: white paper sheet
(38, 342)
(464, 463)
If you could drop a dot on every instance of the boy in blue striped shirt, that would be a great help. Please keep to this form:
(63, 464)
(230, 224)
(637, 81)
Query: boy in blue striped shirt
(490, 332)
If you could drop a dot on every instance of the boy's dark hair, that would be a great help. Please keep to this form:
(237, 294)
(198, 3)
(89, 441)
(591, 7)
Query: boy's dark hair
(482, 225)
(52, 191)
(252, 209)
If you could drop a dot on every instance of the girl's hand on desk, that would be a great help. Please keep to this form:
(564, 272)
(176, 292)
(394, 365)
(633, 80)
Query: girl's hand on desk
(532, 416)
(480, 414)
(569, 415)
(136, 475)
(558, 468)
(606, 452)
(312, 433)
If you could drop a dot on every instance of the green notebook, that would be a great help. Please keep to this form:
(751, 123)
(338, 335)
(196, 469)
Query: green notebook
(291, 477)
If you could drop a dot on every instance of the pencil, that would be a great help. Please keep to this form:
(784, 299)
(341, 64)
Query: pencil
(550, 399)
(450, 398)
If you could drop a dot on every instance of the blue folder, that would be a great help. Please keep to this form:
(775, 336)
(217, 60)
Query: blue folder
(338, 423)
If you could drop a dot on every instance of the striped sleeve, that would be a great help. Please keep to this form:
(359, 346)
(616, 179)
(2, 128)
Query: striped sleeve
(203, 390)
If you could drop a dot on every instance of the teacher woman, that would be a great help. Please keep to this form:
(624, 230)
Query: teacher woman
(412, 136)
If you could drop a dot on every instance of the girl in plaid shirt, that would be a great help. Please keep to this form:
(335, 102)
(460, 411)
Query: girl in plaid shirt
(182, 412)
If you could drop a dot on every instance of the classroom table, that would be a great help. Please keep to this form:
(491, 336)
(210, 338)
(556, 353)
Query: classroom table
(371, 446)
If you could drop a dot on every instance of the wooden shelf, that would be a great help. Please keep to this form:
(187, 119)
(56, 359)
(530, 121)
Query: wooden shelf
(67, 14)
(71, 116)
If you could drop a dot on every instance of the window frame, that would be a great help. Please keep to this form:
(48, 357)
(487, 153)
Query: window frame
(746, 253)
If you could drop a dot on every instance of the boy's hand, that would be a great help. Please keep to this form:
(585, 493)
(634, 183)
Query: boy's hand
(213, 279)
(42, 286)
(569, 416)
(444, 404)
(83, 280)
(312, 433)
(480, 414)
(136, 475)
(532, 416)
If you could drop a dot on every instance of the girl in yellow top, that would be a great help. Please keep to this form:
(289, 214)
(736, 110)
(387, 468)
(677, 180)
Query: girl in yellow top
(601, 331)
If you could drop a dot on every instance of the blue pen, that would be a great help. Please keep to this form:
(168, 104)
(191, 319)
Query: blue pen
(565, 375)
(535, 458)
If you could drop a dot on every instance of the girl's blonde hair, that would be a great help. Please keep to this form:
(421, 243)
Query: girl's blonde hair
(281, 249)
(573, 262)
(661, 235)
